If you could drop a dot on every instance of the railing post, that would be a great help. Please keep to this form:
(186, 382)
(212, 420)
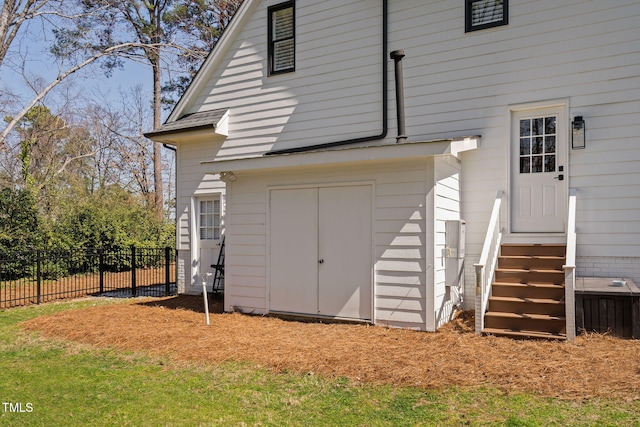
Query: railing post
(101, 268)
(134, 290)
(570, 269)
(570, 302)
(487, 262)
(38, 276)
(479, 317)
(167, 272)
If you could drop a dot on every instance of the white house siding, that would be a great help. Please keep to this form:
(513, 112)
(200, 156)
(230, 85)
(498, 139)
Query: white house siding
(456, 84)
(403, 227)
(447, 206)
(334, 94)
(587, 52)
(193, 182)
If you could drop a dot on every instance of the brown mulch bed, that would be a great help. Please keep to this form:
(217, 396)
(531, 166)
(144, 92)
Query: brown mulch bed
(594, 366)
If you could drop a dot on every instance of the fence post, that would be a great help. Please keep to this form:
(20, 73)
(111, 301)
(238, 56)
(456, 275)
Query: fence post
(167, 268)
(134, 290)
(38, 276)
(101, 268)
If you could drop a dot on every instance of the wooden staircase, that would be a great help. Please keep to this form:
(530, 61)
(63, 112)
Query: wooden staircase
(527, 297)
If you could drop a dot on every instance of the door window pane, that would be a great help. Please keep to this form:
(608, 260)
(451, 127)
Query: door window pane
(525, 146)
(537, 144)
(549, 163)
(209, 219)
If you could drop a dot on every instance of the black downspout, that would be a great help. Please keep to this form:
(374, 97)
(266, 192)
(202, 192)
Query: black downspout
(397, 56)
(385, 114)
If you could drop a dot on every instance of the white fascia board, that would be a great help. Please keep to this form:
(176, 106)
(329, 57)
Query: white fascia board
(337, 156)
(189, 136)
(214, 59)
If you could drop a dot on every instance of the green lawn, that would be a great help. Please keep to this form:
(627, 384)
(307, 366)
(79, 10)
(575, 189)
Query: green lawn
(55, 383)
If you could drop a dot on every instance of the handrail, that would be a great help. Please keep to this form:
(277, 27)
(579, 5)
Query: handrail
(570, 268)
(489, 255)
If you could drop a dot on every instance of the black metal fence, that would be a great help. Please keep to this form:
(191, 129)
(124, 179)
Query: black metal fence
(41, 276)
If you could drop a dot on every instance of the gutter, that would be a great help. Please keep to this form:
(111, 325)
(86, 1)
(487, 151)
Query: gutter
(385, 96)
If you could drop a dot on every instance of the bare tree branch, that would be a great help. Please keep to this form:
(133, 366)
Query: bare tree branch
(113, 50)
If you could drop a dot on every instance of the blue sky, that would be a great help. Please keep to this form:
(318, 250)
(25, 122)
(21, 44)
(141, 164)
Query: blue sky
(38, 63)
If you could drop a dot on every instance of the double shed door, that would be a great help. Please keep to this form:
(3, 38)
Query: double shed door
(321, 251)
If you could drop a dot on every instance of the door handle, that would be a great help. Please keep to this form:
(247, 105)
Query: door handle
(321, 261)
(559, 177)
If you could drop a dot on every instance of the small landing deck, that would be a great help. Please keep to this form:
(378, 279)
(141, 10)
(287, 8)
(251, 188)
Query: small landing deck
(604, 306)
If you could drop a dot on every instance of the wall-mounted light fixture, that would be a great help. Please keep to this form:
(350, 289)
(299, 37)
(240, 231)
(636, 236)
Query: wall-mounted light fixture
(227, 176)
(578, 133)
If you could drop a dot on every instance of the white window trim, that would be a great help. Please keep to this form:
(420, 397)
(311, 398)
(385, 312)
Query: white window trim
(271, 41)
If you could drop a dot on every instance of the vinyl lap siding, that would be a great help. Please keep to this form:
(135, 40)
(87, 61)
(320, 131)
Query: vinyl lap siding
(400, 239)
(246, 255)
(334, 93)
(447, 207)
(400, 230)
(192, 181)
(587, 52)
(456, 84)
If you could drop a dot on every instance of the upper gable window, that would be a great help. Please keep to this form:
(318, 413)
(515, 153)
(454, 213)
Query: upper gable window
(481, 14)
(282, 46)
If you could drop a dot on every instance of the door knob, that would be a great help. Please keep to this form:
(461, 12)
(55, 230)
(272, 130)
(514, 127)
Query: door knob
(321, 261)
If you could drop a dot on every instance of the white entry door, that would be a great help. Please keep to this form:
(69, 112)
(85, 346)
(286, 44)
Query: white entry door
(208, 225)
(538, 171)
(320, 241)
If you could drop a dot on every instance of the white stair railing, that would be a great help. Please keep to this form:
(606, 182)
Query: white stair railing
(486, 266)
(570, 269)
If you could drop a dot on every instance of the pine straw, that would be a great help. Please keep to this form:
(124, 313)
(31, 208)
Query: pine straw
(594, 366)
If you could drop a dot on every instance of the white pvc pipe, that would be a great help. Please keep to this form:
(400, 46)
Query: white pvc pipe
(206, 300)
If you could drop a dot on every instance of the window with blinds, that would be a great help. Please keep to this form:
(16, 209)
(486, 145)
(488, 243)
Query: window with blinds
(282, 48)
(480, 14)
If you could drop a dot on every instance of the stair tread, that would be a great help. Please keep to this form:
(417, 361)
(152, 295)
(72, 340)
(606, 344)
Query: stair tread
(524, 333)
(537, 245)
(522, 299)
(530, 284)
(530, 270)
(548, 257)
(523, 315)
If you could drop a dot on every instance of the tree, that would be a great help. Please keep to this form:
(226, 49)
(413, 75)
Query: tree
(111, 217)
(13, 14)
(201, 23)
(45, 150)
(142, 22)
(19, 221)
(49, 148)
(160, 30)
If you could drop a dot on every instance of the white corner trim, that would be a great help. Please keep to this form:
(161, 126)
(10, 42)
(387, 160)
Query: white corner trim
(465, 144)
